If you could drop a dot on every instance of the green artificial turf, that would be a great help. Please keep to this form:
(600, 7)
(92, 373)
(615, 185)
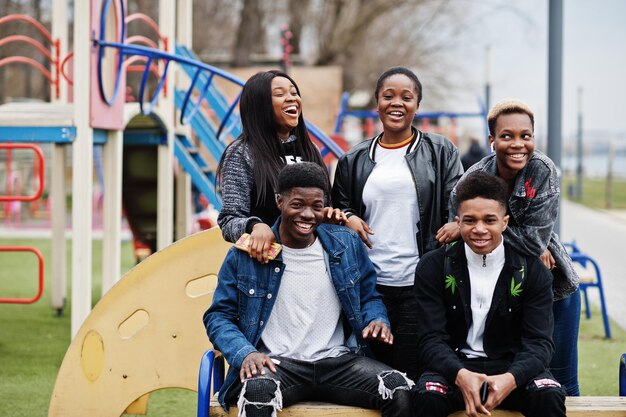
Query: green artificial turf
(598, 357)
(33, 338)
(33, 341)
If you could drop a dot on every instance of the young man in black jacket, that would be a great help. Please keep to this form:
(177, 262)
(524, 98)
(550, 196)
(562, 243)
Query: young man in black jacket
(485, 317)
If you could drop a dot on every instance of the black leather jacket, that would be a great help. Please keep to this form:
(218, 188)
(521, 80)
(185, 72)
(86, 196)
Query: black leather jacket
(435, 165)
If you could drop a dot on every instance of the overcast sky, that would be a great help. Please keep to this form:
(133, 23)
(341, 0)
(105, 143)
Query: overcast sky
(594, 57)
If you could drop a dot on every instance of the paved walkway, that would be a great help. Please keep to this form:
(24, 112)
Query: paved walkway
(602, 235)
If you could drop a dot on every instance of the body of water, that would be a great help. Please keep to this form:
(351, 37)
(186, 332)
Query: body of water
(596, 165)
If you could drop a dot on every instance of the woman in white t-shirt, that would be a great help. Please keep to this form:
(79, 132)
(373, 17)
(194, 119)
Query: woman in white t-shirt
(394, 189)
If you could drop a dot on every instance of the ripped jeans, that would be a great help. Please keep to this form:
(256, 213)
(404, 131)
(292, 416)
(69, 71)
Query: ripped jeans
(347, 380)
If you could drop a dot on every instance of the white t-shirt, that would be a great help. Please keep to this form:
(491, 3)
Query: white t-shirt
(305, 322)
(484, 271)
(391, 211)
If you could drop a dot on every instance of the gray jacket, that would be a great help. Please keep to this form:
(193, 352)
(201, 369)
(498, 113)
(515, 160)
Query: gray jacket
(241, 209)
(237, 184)
(533, 208)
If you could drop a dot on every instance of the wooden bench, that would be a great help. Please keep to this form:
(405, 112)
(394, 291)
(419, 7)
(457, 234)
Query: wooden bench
(576, 407)
(213, 361)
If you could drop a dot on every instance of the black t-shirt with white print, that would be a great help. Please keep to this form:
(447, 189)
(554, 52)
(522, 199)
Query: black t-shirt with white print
(266, 209)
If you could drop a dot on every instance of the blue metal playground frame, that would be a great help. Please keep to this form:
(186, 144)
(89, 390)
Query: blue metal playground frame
(202, 76)
(208, 73)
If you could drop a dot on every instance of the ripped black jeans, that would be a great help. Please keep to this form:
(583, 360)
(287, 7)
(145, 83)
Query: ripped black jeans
(347, 380)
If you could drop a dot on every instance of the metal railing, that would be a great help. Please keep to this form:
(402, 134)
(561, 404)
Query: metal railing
(40, 171)
(151, 55)
(52, 53)
(9, 198)
(37, 296)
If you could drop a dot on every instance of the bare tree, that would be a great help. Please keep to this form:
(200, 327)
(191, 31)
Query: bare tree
(250, 33)
(298, 16)
(146, 7)
(340, 23)
(367, 36)
(215, 26)
(364, 37)
(34, 85)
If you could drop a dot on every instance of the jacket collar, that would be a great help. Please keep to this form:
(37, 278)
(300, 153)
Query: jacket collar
(519, 189)
(417, 135)
(456, 250)
(331, 243)
(512, 267)
(489, 259)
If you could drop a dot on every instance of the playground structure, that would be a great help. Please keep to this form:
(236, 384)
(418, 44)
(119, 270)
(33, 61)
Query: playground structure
(133, 316)
(13, 196)
(145, 334)
(20, 180)
(152, 129)
(139, 143)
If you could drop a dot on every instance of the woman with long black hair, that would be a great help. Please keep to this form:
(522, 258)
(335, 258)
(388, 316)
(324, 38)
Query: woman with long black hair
(274, 135)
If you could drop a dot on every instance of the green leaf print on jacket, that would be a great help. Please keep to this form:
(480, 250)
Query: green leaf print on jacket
(516, 289)
(451, 283)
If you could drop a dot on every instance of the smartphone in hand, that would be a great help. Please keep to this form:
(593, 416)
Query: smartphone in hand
(484, 392)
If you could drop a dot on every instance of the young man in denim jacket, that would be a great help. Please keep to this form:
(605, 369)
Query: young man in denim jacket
(295, 328)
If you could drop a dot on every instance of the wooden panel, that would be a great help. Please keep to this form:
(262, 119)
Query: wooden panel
(308, 409)
(576, 407)
(37, 114)
(113, 361)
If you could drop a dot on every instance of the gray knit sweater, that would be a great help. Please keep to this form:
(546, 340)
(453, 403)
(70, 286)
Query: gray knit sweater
(240, 208)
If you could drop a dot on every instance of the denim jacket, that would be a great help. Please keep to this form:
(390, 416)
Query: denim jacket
(533, 207)
(246, 290)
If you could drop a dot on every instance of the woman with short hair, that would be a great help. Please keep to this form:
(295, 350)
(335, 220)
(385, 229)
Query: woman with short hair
(533, 187)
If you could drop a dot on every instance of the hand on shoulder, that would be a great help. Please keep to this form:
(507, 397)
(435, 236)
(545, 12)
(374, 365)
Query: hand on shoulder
(449, 232)
(361, 228)
(334, 216)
